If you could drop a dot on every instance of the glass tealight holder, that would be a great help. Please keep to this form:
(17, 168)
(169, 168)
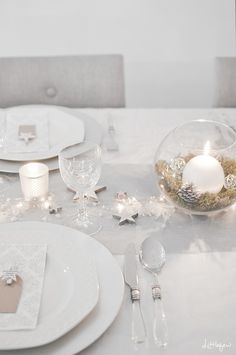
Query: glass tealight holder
(34, 181)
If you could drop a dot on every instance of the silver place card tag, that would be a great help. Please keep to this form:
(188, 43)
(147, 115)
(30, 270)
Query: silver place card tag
(27, 132)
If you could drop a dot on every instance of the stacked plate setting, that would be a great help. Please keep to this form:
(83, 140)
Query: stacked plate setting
(65, 127)
(77, 305)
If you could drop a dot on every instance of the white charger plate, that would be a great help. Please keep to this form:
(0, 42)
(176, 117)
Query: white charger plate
(64, 130)
(93, 133)
(70, 290)
(111, 293)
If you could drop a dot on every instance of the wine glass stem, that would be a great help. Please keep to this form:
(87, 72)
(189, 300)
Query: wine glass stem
(82, 210)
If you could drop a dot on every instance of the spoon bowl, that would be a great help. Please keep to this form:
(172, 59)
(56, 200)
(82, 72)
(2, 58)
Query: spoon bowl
(152, 255)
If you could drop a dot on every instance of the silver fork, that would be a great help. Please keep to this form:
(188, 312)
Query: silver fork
(110, 142)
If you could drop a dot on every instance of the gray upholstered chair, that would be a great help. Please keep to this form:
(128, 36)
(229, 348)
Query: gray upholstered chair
(225, 82)
(73, 81)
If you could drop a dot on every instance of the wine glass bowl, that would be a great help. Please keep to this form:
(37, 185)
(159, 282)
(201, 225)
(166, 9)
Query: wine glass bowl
(80, 166)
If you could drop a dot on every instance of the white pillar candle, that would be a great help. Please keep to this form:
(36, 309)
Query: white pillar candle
(34, 180)
(205, 172)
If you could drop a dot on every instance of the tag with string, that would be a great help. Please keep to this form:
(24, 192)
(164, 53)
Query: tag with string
(27, 132)
(10, 290)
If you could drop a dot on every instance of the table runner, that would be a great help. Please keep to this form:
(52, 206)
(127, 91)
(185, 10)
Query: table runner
(182, 234)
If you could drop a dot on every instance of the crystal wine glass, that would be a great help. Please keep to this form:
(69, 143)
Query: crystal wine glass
(80, 168)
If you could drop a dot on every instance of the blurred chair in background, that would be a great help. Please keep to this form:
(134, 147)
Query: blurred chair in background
(72, 81)
(225, 89)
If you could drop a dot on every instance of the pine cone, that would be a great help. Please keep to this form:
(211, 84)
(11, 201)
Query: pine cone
(189, 194)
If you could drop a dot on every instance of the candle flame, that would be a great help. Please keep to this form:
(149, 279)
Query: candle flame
(207, 147)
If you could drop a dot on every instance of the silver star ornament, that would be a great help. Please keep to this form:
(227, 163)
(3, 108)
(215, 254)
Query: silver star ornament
(125, 217)
(91, 194)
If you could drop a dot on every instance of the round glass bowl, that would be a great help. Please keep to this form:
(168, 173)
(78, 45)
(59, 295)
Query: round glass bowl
(196, 167)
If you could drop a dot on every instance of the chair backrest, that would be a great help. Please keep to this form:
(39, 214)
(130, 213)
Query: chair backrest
(225, 82)
(73, 81)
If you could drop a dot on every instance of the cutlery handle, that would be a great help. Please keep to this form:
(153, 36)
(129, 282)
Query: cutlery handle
(138, 330)
(160, 329)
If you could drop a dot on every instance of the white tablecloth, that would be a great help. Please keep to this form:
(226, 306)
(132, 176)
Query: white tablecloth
(198, 280)
(139, 131)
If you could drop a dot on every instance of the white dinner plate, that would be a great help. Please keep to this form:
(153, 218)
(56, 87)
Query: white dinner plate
(70, 289)
(64, 130)
(111, 291)
(12, 167)
(93, 133)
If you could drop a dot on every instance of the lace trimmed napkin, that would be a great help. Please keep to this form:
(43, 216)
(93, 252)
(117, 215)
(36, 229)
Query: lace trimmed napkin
(39, 143)
(29, 262)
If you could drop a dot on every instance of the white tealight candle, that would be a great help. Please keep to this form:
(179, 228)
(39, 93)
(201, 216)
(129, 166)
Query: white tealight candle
(34, 180)
(204, 172)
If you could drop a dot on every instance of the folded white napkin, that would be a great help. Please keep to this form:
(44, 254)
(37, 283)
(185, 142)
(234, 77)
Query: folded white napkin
(29, 262)
(38, 144)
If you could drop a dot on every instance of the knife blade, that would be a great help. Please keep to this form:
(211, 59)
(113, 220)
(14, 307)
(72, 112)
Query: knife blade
(130, 268)
(138, 329)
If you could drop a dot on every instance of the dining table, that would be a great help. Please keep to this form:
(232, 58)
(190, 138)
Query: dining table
(198, 279)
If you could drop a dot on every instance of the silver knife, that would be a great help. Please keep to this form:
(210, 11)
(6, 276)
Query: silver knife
(138, 330)
(111, 143)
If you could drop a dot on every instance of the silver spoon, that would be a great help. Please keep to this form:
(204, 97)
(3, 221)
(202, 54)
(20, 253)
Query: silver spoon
(152, 257)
